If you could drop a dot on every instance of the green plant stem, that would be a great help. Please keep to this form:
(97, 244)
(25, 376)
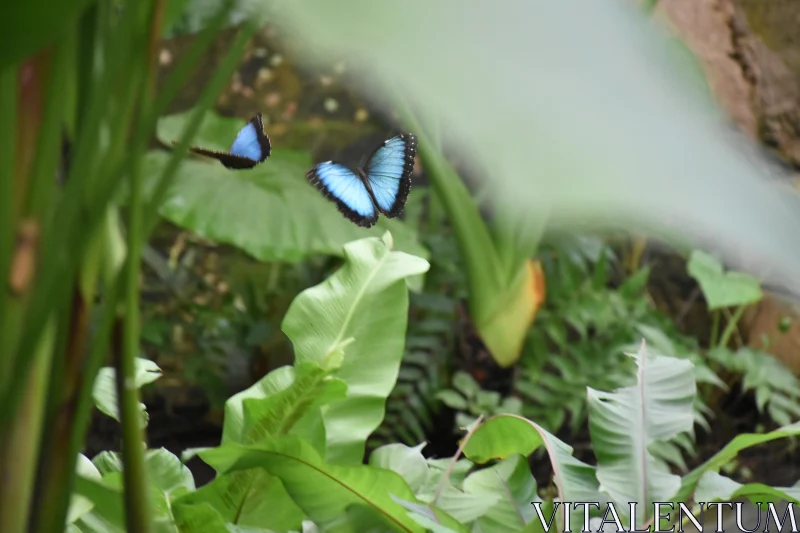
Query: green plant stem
(83, 173)
(8, 131)
(88, 38)
(40, 198)
(206, 100)
(731, 326)
(66, 234)
(454, 460)
(22, 444)
(48, 148)
(714, 328)
(274, 276)
(484, 272)
(136, 496)
(61, 475)
(62, 478)
(137, 502)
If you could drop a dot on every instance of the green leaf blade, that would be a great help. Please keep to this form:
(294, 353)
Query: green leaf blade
(503, 436)
(624, 423)
(366, 301)
(722, 289)
(105, 388)
(324, 491)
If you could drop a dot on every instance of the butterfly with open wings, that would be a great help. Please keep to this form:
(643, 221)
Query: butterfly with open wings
(382, 186)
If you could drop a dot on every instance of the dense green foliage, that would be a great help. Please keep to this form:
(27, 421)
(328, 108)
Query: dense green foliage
(276, 470)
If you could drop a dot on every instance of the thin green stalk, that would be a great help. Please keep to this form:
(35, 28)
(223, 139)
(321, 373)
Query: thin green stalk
(137, 501)
(75, 219)
(206, 100)
(42, 188)
(195, 54)
(86, 59)
(517, 237)
(48, 148)
(66, 236)
(22, 442)
(41, 181)
(273, 276)
(714, 328)
(65, 376)
(8, 132)
(62, 474)
(484, 273)
(151, 112)
(63, 477)
(137, 498)
(461, 445)
(115, 44)
(731, 326)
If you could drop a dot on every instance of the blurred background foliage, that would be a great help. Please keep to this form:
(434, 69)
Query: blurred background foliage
(216, 286)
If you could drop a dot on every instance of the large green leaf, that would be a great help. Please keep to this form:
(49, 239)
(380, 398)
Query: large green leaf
(107, 514)
(425, 479)
(277, 402)
(271, 211)
(273, 407)
(168, 479)
(503, 436)
(404, 460)
(714, 487)
(105, 387)
(323, 491)
(80, 505)
(199, 518)
(427, 517)
(722, 289)
(728, 454)
(288, 399)
(463, 506)
(278, 380)
(244, 498)
(168, 473)
(511, 479)
(624, 423)
(641, 144)
(363, 310)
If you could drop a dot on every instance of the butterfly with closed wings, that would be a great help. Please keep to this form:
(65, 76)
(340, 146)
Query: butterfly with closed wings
(380, 187)
(250, 147)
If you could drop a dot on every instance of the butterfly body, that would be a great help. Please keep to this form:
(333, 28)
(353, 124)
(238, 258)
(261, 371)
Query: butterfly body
(251, 147)
(382, 186)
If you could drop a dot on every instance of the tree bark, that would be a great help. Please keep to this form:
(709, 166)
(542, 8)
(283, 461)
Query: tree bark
(750, 52)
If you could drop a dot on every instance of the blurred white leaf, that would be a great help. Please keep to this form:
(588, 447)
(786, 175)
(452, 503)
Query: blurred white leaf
(587, 110)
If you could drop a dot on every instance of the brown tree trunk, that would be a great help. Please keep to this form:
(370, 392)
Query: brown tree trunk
(750, 52)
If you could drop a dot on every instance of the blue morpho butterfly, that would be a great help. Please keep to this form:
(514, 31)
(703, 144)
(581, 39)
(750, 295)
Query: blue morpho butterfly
(250, 147)
(381, 186)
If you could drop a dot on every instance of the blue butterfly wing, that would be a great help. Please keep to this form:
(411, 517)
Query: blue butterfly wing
(246, 143)
(389, 173)
(251, 142)
(346, 188)
(250, 147)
